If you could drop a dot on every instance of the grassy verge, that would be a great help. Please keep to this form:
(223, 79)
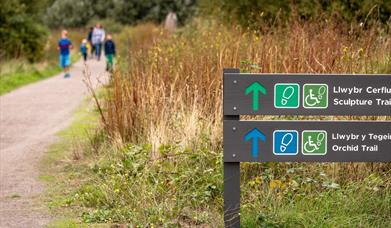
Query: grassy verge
(9, 82)
(87, 177)
(305, 196)
(63, 169)
(25, 73)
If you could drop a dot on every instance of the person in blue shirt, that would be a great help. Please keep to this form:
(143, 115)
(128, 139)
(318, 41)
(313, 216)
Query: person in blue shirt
(64, 45)
(109, 52)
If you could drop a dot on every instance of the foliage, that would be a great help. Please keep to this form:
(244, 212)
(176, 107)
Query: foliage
(118, 184)
(158, 159)
(183, 72)
(131, 188)
(302, 197)
(255, 13)
(69, 13)
(78, 13)
(21, 35)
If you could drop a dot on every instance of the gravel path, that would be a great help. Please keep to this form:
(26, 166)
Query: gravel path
(29, 119)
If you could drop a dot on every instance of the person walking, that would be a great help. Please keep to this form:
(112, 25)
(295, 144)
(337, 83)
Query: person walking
(84, 49)
(64, 45)
(89, 39)
(109, 53)
(98, 36)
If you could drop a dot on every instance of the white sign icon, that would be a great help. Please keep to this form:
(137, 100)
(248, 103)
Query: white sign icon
(286, 141)
(287, 94)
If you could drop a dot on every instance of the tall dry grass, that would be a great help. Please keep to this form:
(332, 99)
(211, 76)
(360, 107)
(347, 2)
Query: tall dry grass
(170, 91)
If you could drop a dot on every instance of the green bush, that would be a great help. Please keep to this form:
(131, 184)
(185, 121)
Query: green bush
(21, 34)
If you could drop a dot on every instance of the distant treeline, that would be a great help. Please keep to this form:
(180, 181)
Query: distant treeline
(79, 12)
(253, 13)
(24, 23)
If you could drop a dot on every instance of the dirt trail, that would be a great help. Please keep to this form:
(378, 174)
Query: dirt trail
(29, 119)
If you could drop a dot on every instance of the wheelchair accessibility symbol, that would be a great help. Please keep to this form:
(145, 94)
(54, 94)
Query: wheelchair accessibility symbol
(314, 142)
(315, 96)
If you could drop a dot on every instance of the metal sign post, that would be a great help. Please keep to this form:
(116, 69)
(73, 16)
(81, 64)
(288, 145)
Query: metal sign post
(232, 181)
(301, 141)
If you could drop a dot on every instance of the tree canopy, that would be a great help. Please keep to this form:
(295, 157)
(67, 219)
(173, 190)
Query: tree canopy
(23, 23)
(252, 13)
(75, 13)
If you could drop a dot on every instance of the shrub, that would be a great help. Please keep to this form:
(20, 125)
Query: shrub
(21, 35)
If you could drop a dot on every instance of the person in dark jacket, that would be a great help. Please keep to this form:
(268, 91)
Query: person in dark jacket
(109, 52)
(89, 38)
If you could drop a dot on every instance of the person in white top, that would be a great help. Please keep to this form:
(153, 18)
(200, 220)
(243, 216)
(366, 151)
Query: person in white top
(98, 36)
(171, 22)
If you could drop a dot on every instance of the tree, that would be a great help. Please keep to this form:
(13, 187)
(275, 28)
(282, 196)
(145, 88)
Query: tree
(21, 34)
(69, 13)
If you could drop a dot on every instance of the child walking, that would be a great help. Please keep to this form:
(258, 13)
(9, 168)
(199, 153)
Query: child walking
(84, 49)
(109, 52)
(64, 45)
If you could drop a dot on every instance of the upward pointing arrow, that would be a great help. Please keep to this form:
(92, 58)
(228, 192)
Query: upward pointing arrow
(254, 135)
(255, 88)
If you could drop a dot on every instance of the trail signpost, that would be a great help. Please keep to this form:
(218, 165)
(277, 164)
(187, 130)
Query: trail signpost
(301, 141)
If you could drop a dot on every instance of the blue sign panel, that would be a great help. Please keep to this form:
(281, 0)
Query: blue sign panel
(286, 142)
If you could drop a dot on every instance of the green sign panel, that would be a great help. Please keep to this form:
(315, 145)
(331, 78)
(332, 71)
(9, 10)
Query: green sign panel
(314, 142)
(287, 95)
(315, 96)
